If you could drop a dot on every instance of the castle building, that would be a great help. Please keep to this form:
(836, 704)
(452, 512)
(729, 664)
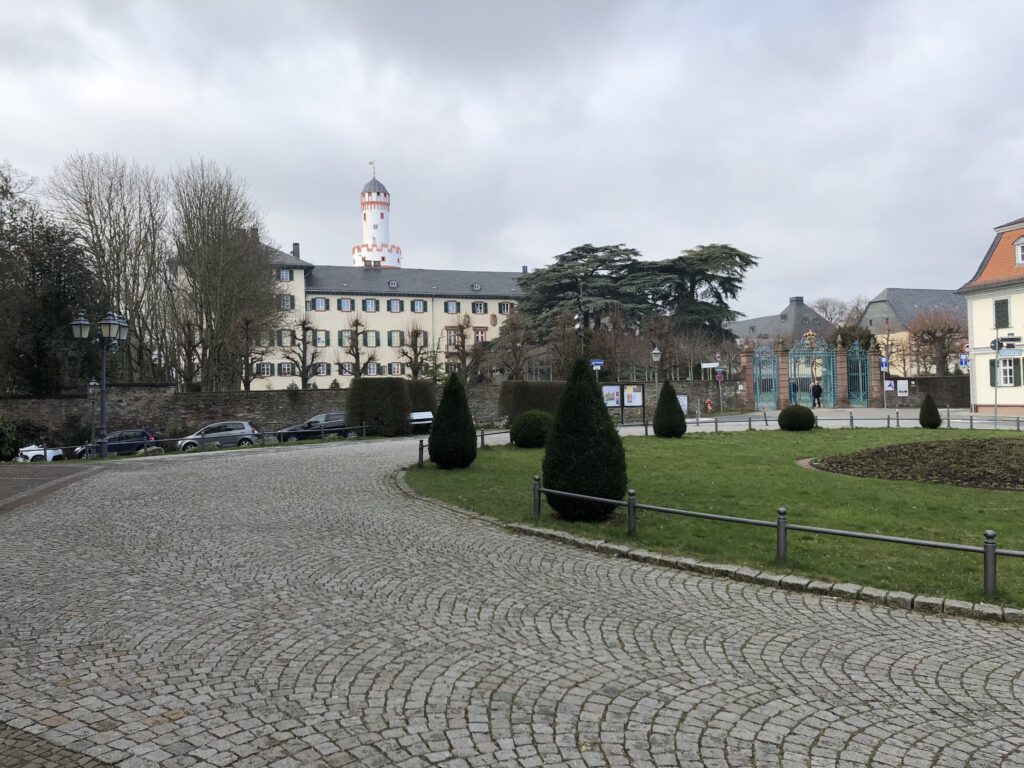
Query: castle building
(375, 308)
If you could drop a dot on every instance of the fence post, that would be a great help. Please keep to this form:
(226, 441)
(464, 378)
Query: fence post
(421, 454)
(631, 512)
(990, 562)
(897, 417)
(765, 412)
(645, 427)
(888, 420)
(716, 425)
(851, 418)
(750, 422)
(481, 437)
(815, 420)
(949, 423)
(1018, 423)
(536, 497)
(781, 543)
(972, 421)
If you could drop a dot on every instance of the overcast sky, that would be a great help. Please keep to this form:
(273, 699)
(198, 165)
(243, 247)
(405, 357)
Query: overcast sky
(851, 146)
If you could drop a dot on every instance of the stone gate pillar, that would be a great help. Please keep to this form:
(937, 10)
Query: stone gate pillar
(747, 367)
(874, 375)
(842, 375)
(782, 355)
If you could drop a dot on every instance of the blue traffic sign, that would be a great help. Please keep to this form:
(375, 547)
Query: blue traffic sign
(883, 363)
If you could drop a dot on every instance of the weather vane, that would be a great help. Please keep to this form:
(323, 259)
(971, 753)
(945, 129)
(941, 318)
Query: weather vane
(373, 167)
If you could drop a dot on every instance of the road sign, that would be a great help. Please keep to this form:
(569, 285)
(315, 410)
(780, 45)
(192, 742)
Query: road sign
(596, 364)
(1010, 352)
(883, 363)
(719, 376)
(964, 361)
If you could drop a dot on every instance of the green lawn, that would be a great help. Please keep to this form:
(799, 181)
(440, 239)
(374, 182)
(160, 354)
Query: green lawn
(751, 474)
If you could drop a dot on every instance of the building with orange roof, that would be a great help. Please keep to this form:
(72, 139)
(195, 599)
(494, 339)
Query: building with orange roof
(995, 323)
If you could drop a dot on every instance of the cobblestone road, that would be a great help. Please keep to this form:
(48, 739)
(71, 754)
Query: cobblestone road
(291, 607)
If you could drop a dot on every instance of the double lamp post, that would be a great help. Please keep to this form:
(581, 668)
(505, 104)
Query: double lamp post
(113, 330)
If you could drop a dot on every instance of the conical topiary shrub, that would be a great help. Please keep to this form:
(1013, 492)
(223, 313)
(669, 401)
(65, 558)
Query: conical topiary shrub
(583, 453)
(929, 416)
(669, 419)
(452, 443)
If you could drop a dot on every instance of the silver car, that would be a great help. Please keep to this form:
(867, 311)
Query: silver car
(223, 433)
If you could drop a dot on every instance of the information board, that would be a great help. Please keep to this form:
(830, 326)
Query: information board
(633, 395)
(612, 395)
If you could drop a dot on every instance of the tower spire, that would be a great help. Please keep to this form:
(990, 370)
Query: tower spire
(373, 167)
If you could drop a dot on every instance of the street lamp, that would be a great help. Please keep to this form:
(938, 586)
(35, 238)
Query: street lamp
(655, 358)
(113, 329)
(94, 389)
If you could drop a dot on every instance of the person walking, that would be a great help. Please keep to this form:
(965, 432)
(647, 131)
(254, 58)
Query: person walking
(816, 394)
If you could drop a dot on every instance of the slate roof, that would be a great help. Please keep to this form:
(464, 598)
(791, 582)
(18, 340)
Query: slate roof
(793, 321)
(413, 282)
(374, 186)
(900, 305)
(283, 259)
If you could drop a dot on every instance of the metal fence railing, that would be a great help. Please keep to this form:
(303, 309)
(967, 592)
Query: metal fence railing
(782, 526)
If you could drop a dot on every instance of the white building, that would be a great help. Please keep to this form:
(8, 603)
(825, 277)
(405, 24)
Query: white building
(389, 302)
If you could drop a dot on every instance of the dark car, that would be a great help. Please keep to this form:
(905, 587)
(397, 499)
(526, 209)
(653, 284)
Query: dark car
(119, 443)
(321, 425)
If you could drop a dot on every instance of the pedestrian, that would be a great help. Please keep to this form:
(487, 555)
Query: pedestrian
(816, 394)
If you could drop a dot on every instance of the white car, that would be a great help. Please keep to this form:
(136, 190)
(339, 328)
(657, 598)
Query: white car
(39, 453)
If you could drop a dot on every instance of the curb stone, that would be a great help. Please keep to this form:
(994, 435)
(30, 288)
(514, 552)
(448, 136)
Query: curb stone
(902, 600)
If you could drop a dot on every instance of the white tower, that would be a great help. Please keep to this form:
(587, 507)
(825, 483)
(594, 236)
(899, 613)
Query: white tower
(376, 250)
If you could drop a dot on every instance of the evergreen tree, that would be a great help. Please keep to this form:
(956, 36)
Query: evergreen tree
(583, 452)
(669, 419)
(929, 416)
(452, 443)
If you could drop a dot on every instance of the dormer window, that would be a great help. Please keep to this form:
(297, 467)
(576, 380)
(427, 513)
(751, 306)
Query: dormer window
(1018, 249)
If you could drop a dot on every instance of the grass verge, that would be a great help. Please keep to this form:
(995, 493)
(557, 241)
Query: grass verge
(751, 474)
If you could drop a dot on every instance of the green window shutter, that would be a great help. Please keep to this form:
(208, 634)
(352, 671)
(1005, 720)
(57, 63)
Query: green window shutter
(1016, 372)
(1002, 312)
(991, 373)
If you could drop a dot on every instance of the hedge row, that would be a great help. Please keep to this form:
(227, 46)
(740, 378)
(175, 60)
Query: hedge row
(517, 397)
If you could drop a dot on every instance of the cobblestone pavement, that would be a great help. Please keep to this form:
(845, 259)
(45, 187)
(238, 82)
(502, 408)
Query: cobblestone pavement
(293, 607)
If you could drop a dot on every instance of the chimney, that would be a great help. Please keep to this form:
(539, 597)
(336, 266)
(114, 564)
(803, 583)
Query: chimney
(796, 299)
(524, 269)
(295, 250)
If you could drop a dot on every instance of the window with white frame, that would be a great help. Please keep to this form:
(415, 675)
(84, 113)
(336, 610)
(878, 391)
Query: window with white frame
(451, 307)
(284, 275)
(286, 337)
(395, 369)
(344, 338)
(396, 338)
(321, 369)
(371, 338)
(286, 301)
(1006, 371)
(285, 369)
(479, 335)
(371, 369)
(396, 305)
(371, 305)
(454, 338)
(504, 307)
(319, 304)
(419, 306)
(264, 369)
(322, 339)
(1018, 248)
(345, 369)
(344, 305)
(479, 307)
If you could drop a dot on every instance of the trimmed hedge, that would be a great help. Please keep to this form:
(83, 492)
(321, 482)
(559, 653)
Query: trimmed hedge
(530, 429)
(452, 443)
(516, 397)
(584, 452)
(796, 418)
(382, 403)
(669, 419)
(929, 417)
(421, 395)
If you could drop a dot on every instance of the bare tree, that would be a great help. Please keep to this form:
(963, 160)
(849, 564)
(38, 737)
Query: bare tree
(856, 307)
(414, 349)
(516, 345)
(457, 344)
(119, 212)
(303, 353)
(834, 311)
(255, 350)
(936, 337)
(224, 272)
(353, 342)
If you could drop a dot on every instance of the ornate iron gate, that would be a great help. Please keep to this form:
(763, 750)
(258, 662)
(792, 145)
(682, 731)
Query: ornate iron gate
(766, 378)
(857, 375)
(810, 360)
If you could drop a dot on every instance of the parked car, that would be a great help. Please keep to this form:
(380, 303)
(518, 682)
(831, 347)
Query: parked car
(223, 433)
(119, 443)
(322, 424)
(39, 453)
(421, 420)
